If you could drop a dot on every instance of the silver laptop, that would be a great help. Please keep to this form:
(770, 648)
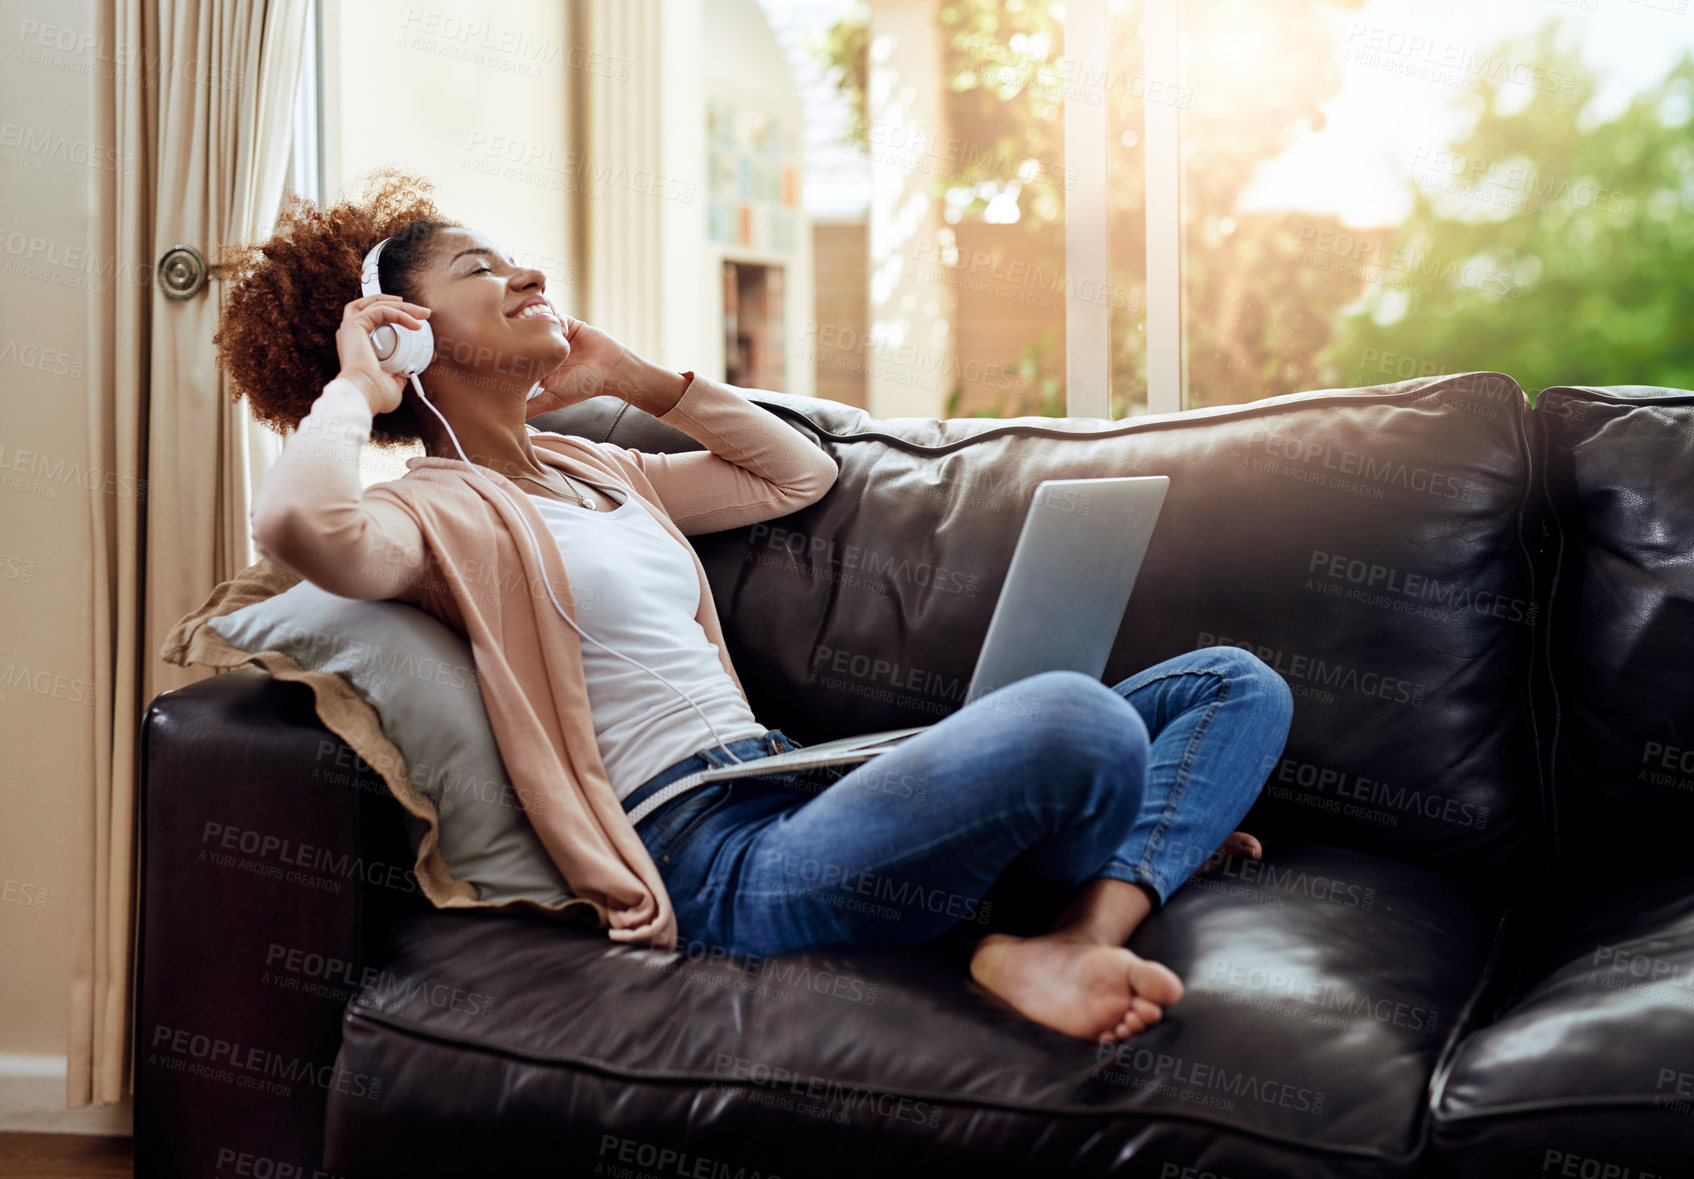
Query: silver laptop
(1060, 607)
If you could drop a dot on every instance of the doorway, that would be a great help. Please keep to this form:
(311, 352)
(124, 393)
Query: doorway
(752, 324)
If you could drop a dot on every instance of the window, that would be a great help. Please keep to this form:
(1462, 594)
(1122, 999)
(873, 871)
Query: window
(306, 157)
(1244, 198)
(1367, 192)
(941, 185)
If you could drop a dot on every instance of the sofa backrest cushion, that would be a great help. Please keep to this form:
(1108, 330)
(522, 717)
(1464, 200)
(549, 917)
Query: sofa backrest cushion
(1367, 544)
(1620, 624)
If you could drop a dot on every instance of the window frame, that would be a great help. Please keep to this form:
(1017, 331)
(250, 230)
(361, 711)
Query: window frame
(1088, 147)
(306, 154)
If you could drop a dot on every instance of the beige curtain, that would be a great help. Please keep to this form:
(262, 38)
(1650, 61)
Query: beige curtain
(206, 113)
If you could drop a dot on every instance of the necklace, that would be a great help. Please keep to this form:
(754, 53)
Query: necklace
(574, 492)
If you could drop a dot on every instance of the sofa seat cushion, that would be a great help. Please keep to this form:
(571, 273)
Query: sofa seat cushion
(1325, 988)
(1590, 1070)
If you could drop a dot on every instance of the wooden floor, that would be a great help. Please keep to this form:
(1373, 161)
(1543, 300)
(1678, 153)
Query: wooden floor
(66, 1156)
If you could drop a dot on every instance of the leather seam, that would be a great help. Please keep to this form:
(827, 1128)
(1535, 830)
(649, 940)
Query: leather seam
(1323, 397)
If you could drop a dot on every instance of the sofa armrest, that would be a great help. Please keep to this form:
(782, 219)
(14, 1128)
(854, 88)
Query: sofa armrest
(253, 901)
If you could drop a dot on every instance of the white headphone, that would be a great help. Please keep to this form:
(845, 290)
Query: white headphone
(408, 350)
(398, 349)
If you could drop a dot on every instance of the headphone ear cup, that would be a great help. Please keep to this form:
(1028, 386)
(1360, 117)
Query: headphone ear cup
(422, 342)
(386, 342)
(403, 350)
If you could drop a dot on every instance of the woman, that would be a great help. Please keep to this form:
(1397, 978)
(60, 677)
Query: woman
(1104, 799)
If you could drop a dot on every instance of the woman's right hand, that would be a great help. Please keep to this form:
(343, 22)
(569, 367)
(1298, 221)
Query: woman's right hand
(358, 358)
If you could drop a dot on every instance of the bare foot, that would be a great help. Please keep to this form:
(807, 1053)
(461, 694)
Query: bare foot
(1079, 987)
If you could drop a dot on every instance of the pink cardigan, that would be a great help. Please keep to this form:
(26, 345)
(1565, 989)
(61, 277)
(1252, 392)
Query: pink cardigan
(444, 540)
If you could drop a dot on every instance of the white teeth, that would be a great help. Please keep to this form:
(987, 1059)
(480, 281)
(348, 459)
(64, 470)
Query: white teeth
(533, 310)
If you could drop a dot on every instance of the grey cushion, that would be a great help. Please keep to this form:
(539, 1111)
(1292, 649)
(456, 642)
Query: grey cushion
(421, 679)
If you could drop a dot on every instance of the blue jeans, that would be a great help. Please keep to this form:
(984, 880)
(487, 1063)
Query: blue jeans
(1048, 782)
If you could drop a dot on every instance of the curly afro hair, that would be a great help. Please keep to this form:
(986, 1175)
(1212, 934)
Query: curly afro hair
(276, 338)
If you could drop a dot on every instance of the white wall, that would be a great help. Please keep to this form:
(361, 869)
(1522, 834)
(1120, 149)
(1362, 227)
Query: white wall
(53, 159)
(474, 96)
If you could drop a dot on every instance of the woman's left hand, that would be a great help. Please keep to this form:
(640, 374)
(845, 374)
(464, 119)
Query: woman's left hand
(588, 372)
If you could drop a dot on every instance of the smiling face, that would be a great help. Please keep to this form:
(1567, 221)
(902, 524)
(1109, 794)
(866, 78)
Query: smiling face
(491, 318)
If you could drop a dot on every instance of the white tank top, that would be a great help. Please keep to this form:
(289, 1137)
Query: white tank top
(637, 592)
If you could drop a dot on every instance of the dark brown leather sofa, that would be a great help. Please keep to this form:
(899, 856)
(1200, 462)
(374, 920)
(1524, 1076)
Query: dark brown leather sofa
(1469, 950)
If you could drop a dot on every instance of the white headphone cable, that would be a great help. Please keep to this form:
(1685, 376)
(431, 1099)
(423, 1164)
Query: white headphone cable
(536, 547)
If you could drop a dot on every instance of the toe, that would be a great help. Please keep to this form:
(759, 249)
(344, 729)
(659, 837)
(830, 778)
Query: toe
(1155, 982)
